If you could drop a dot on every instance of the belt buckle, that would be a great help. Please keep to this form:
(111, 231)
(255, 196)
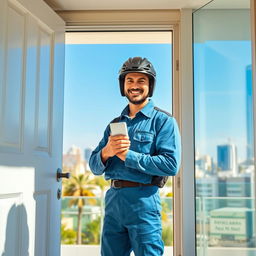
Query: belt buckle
(115, 184)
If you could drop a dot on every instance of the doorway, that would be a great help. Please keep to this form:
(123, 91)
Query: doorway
(92, 100)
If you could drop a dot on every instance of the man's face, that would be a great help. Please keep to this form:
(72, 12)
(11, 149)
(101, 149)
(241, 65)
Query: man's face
(136, 87)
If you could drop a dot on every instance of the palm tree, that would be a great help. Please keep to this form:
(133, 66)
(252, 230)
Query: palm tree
(100, 182)
(78, 186)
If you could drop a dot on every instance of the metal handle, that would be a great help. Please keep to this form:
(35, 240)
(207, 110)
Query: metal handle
(61, 175)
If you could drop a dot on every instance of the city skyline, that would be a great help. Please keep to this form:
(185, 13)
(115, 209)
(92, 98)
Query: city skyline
(220, 89)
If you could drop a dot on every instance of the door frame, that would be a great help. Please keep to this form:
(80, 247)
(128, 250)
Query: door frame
(253, 40)
(180, 23)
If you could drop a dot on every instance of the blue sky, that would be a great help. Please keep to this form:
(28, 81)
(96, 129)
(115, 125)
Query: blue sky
(92, 97)
(220, 94)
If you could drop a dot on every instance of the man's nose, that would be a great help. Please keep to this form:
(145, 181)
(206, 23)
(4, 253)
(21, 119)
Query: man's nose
(136, 84)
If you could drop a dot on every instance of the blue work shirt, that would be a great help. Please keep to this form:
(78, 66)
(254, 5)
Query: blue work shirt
(155, 147)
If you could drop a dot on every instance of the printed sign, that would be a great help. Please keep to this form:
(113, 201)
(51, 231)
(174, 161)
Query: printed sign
(228, 226)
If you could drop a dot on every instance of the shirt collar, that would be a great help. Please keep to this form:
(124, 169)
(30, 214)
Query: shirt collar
(146, 110)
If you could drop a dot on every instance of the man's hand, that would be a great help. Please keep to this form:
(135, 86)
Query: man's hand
(122, 155)
(117, 145)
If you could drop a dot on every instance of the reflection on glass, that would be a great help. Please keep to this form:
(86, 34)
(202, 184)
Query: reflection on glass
(223, 130)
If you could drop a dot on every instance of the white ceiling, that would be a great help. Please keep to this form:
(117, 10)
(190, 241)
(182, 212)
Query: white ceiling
(71, 5)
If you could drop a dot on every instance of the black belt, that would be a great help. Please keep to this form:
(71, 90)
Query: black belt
(127, 184)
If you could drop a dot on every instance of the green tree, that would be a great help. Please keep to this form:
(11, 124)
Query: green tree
(92, 232)
(68, 236)
(100, 182)
(79, 186)
(167, 232)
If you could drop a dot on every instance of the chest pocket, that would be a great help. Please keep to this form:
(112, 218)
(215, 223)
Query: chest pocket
(143, 141)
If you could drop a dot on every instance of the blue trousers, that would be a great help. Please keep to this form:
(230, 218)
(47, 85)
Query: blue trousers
(132, 222)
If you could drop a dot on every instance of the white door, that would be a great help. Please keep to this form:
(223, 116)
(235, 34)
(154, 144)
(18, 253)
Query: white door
(31, 113)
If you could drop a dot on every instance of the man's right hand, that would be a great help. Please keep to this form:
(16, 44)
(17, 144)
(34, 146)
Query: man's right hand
(116, 144)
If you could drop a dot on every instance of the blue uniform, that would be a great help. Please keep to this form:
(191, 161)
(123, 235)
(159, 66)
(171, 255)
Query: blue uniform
(132, 215)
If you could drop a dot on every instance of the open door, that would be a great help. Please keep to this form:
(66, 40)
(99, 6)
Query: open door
(31, 120)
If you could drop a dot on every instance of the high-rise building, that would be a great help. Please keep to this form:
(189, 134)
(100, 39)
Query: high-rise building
(227, 160)
(87, 154)
(207, 188)
(73, 161)
(205, 164)
(235, 191)
(249, 114)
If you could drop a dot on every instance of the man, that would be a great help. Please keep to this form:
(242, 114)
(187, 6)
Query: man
(137, 166)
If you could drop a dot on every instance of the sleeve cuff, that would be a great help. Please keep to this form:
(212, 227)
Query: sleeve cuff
(132, 159)
(101, 167)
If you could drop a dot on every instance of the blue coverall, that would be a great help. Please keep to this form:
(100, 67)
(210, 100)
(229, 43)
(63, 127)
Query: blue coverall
(132, 215)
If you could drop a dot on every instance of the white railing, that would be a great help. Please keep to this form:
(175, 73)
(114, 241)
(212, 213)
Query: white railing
(212, 239)
(93, 211)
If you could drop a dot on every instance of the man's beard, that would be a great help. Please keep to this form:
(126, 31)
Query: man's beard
(136, 102)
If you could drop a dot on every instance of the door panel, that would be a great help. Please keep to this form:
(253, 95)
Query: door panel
(17, 211)
(11, 132)
(31, 116)
(42, 215)
(44, 92)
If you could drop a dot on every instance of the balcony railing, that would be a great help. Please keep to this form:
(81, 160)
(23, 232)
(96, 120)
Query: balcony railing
(91, 225)
(225, 225)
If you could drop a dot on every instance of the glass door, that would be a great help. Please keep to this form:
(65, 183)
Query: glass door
(224, 159)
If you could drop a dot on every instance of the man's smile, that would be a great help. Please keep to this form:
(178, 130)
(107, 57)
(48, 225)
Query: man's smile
(135, 91)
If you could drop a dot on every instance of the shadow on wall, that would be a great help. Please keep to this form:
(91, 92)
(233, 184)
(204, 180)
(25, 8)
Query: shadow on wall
(17, 234)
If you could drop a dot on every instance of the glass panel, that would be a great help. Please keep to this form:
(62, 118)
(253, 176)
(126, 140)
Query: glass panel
(224, 157)
(92, 100)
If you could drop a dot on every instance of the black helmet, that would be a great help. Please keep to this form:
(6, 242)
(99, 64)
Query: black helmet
(138, 65)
